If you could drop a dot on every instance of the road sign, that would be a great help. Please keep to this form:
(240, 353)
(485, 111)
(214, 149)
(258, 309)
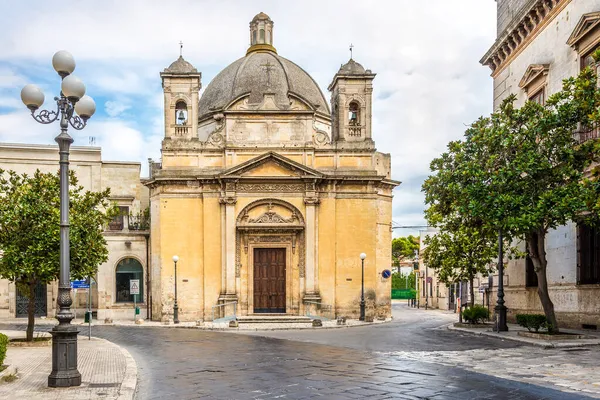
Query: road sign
(134, 286)
(80, 284)
(482, 289)
(386, 273)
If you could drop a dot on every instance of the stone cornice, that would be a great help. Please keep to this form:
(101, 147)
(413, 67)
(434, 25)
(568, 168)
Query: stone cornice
(535, 15)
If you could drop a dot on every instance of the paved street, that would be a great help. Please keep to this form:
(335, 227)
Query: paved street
(410, 358)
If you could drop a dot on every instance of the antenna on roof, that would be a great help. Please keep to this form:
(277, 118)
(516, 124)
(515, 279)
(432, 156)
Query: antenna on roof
(92, 140)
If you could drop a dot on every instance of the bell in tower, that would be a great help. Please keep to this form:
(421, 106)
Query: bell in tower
(351, 103)
(181, 86)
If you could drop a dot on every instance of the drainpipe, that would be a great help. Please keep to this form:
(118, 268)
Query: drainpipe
(148, 281)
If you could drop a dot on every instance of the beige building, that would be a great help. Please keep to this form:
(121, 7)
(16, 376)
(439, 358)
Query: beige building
(267, 195)
(540, 43)
(126, 236)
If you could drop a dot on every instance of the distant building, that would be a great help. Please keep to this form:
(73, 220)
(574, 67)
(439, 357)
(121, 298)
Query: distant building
(540, 43)
(126, 235)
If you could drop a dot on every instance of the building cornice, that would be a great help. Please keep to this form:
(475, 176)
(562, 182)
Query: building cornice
(535, 16)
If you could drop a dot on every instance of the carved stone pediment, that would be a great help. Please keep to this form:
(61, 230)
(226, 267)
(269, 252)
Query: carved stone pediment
(271, 214)
(284, 167)
(586, 24)
(533, 72)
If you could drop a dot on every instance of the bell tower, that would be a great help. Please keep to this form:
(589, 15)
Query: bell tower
(181, 87)
(351, 103)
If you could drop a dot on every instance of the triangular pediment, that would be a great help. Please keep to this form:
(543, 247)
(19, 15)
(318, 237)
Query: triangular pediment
(271, 164)
(533, 72)
(586, 24)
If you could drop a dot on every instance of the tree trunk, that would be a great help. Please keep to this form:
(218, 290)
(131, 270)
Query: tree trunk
(31, 311)
(538, 256)
(472, 291)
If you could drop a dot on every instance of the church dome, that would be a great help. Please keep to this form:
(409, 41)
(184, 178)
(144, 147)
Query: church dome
(352, 68)
(180, 66)
(261, 72)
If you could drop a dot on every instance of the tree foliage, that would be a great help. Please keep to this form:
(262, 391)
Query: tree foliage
(522, 170)
(459, 253)
(404, 248)
(30, 233)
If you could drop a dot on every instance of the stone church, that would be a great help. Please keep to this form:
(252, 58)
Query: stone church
(266, 193)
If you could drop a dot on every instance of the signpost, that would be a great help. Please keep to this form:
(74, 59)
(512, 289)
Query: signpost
(134, 289)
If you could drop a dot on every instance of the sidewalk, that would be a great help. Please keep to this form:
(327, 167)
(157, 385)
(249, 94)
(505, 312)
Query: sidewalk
(592, 338)
(108, 371)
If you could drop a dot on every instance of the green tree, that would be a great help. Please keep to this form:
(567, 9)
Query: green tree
(523, 171)
(459, 253)
(404, 248)
(403, 281)
(30, 234)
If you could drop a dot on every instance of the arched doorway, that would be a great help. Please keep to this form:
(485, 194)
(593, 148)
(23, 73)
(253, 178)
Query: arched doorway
(129, 269)
(270, 256)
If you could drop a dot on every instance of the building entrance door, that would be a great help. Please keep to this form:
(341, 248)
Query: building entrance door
(269, 280)
(40, 301)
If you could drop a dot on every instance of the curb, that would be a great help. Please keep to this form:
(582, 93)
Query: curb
(233, 330)
(528, 341)
(129, 384)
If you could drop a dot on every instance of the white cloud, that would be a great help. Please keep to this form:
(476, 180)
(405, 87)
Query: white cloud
(114, 108)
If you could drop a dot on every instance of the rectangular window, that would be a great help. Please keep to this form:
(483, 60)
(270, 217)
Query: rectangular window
(588, 248)
(587, 60)
(539, 97)
(117, 222)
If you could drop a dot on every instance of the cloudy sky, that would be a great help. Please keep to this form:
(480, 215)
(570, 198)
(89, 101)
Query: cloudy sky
(426, 53)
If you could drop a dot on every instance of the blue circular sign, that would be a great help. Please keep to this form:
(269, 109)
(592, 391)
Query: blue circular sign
(386, 273)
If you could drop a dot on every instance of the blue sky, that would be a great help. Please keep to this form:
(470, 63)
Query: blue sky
(429, 82)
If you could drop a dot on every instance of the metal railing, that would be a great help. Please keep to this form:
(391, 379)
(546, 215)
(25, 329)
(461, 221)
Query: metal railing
(318, 310)
(585, 133)
(138, 223)
(221, 310)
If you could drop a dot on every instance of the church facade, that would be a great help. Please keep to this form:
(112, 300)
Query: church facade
(266, 193)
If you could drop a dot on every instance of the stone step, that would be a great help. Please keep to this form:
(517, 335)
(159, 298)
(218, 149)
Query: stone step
(274, 319)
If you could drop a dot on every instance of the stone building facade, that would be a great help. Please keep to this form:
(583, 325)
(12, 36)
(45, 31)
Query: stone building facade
(126, 235)
(540, 43)
(265, 194)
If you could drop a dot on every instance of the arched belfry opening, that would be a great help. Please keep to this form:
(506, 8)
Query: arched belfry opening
(181, 113)
(354, 113)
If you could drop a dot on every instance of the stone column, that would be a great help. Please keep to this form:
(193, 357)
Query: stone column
(311, 290)
(230, 245)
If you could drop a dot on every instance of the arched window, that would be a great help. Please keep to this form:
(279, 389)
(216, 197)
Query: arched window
(129, 269)
(254, 36)
(262, 35)
(181, 114)
(354, 113)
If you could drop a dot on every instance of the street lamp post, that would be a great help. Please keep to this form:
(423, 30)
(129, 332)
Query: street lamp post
(72, 100)
(362, 288)
(175, 307)
(500, 307)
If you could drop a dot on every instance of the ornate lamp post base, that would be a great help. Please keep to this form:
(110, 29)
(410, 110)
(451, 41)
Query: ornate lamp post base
(64, 357)
(501, 321)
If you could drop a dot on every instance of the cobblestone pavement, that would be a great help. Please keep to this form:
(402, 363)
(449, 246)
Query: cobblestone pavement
(106, 372)
(378, 362)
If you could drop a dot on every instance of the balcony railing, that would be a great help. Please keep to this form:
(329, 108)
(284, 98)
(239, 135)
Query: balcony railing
(585, 133)
(181, 130)
(139, 223)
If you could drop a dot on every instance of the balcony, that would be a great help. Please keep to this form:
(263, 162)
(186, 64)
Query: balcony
(181, 130)
(585, 133)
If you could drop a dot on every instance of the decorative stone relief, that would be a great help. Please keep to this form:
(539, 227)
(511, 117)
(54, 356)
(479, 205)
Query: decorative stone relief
(230, 200)
(302, 256)
(271, 217)
(270, 187)
(238, 261)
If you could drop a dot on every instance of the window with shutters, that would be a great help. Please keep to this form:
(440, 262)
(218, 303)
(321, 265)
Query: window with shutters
(588, 254)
